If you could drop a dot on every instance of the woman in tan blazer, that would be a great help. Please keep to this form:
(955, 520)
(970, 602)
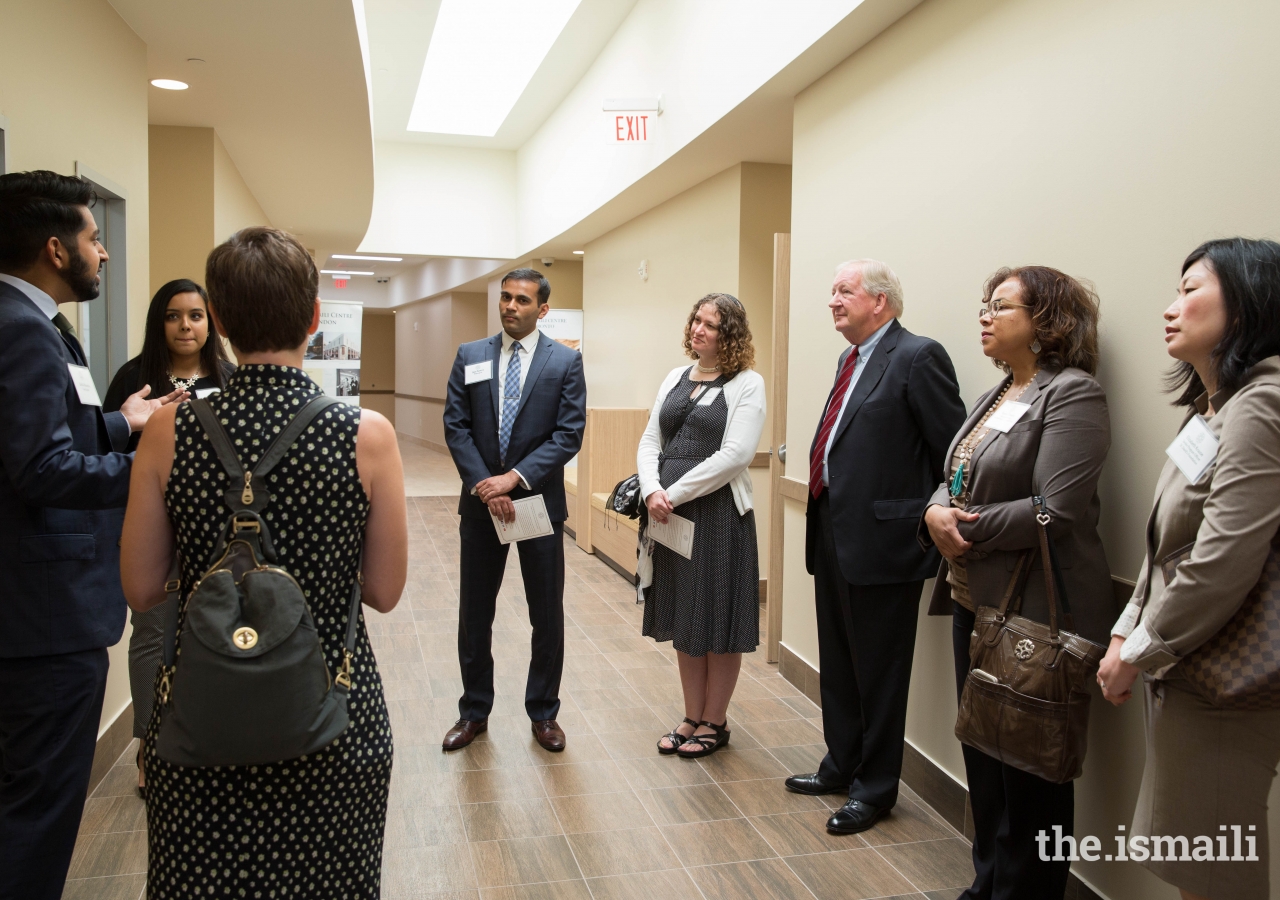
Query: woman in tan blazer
(1041, 327)
(1208, 769)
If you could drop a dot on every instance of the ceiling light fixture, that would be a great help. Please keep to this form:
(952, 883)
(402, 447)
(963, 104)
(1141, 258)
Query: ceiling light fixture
(579, 252)
(463, 89)
(169, 84)
(371, 258)
(341, 272)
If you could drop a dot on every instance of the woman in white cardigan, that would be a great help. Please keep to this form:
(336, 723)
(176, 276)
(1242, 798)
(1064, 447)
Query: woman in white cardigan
(693, 458)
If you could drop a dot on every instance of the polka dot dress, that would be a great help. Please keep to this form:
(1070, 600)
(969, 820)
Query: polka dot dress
(711, 603)
(303, 828)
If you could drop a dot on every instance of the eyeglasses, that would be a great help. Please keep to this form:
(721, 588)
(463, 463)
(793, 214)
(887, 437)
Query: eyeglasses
(995, 307)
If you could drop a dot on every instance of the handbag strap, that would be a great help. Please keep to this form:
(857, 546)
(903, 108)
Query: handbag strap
(1053, 582)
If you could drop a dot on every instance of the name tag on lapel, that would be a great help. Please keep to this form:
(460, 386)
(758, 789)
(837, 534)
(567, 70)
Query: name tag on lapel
(85, 388)
(481, 371)
(1007, 415)
(1194, 449)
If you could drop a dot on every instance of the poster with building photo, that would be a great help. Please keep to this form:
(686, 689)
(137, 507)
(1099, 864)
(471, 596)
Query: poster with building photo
(563, 325)
(332, 358)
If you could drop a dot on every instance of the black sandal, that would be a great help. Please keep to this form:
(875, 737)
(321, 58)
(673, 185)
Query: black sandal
(677, 739)
(707, 743)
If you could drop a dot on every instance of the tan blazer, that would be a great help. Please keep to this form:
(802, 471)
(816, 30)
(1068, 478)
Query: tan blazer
(1231, 516)
(1056, 450)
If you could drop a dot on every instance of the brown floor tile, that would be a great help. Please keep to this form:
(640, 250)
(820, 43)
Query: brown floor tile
(731, 764)
(555, 890)
(659, 885)
(849, 875)
(657, 771)
(111, 887)
(602, 777)
(622, 852)
(766, 796)
(745, 712)
(905, 823)
(414, 827)
(120, 781)
(800, 760)
(578, 748)
(601, 812)
(509, 819)
(104, 815)
(783, 733)
(423, 790)
(98, 855)
(524, 861)
(794, 834)
(932, 865)
(710, 843)
(411, 874)
(487, 785)
(688, 803)
(605, 721)
(764, 879)
(607, 698)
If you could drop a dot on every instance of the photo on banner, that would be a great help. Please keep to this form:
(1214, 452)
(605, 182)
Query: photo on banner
(563, 325)
(332, 357)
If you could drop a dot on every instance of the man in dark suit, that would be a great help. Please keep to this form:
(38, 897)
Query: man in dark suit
(61, 499)
(876, 458)
(516, 410)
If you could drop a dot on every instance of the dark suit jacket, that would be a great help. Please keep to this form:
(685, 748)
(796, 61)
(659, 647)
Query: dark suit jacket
(62, 495)
(547, 432)
(888, 456)
(1056, 450)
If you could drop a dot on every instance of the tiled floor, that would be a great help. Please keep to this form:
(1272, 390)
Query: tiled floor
(608, 817)
(428, 473)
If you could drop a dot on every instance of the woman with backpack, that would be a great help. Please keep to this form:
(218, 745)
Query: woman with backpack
(261, 529)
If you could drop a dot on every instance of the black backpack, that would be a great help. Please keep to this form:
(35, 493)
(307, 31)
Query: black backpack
(253, 686)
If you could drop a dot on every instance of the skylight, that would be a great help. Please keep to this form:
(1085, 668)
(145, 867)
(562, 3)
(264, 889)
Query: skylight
(482, 55)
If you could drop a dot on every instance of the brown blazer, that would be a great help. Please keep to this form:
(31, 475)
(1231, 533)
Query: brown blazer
(1231, 516)
(1056, 450)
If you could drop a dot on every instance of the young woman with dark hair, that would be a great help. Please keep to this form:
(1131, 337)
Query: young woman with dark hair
(1209, 768)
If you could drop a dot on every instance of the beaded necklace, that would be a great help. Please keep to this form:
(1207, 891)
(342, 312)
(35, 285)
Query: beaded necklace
(966, 447)
(184, 384)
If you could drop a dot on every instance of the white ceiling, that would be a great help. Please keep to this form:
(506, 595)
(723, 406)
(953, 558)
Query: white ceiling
(400, 32)
(283, 84)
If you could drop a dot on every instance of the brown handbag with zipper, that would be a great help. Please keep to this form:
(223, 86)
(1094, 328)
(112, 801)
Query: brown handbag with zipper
(1026, 698)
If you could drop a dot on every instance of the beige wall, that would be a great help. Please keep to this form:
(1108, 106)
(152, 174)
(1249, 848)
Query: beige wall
(82, 97)
(198, 200)
(378, 362)
(1104, 137)
(427, 335)
(716, 236)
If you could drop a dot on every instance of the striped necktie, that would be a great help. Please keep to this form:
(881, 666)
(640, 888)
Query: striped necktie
(829, 422)
(510, 400)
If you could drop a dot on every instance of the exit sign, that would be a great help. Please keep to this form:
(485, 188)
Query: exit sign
(631, 127)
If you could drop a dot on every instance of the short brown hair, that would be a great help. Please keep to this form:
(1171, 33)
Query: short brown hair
(262, 287)
(735, 351)
(1063, 311)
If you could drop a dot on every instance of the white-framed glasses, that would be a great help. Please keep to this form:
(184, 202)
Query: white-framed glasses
(995, 307)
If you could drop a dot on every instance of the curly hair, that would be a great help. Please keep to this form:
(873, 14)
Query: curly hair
(735, 352)
(1063, 311)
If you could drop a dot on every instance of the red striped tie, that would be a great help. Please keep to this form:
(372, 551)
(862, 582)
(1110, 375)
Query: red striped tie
(829, 422)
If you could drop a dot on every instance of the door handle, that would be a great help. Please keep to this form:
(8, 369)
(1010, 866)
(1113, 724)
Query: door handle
(782, 454)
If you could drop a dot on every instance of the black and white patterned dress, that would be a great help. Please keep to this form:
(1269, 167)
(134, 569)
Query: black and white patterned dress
(309, 827)
(711, 603)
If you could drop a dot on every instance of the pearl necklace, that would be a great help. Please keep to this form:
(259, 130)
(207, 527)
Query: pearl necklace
(966, 447)
(705, 370)
(184, 384)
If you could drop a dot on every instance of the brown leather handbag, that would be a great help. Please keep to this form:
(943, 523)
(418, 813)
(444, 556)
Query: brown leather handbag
(1239, 667)
(1026, 698)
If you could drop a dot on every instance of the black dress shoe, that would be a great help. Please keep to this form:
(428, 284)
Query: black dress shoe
(814, 784)
(855, 816)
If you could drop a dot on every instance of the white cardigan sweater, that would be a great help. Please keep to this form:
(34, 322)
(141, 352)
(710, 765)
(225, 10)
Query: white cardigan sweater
(744, 395)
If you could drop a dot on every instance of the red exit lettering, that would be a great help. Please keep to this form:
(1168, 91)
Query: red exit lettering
(631, 129)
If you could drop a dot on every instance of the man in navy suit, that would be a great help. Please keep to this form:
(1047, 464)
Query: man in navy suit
(62, 492)
(515, 413)
(876, 458)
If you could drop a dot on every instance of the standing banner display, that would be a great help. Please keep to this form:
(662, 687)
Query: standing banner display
(563, 325)
(332, 359)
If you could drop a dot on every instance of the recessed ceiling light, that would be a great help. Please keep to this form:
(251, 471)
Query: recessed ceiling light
(579, 252)
(462, 90)
(341, 273)
(370, 258)
(168, 84)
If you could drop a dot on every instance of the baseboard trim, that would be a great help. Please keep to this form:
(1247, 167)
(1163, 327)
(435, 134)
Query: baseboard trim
(111, 743)
(920, 773)
(616, 566)
(422, 442)
(569, 531)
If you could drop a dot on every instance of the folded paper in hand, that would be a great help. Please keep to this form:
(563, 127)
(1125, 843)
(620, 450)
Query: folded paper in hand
(676, 533)
(531, 521)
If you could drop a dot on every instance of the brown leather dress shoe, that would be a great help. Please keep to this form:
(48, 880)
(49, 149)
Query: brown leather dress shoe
(549, 735)
(464, 732)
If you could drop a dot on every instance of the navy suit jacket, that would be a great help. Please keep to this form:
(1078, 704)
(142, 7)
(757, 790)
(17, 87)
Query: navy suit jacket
(887, 459)
(62, 495)
(547, 432)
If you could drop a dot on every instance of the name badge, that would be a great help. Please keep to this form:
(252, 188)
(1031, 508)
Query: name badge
(481, 371)
(85, 388)
(201, 393)
(708, 396)
(1194, 449)
(1007, 415)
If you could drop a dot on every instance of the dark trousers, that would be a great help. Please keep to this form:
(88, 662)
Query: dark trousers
(1010, 807)
(484, 559)
(50, 707)
(866, 641)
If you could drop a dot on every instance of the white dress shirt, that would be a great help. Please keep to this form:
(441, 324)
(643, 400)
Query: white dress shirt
(37, 296)
(528, 344)
(865, 349)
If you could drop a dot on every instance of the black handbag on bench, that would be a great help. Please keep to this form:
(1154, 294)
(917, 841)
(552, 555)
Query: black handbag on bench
(251, 685)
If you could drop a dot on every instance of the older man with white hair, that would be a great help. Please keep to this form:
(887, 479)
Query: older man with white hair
(878, 454)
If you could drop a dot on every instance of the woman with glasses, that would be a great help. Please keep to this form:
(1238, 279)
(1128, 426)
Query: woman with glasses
(1042, 431)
